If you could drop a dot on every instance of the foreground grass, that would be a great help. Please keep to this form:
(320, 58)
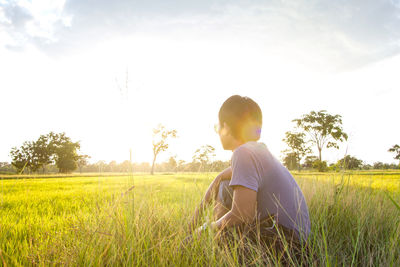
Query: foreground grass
(97, 221)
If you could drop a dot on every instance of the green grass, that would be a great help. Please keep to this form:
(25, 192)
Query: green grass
(94, 221)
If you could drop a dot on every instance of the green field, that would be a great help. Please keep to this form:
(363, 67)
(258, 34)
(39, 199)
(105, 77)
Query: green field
(96, 221)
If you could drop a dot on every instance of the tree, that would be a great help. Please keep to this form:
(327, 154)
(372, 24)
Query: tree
(367, 166)
(193, 166)
(172, 164)
(350, 163)
(142, 167)
(33, 155)
(320, 165)
(112, 166)
(324, 130)
(298, 149)
(22, 157)
(125, 166)
(6, 168)
(219, 165)
(204, 155)
(384, 166)
(47, 149)
(65, 152)
(180, 165)
(101, 165)
(309, 161)
(291, 161)
(378, 165)
(396, 150)
(160, 137)
(82, 161)
(42, 153)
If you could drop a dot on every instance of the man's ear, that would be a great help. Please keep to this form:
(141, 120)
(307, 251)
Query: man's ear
(227, 129)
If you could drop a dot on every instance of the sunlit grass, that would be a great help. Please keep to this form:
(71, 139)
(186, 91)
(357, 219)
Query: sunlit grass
(388, 180)
(94, 221)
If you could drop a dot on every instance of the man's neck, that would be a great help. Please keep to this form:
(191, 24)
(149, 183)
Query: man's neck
(236, 144)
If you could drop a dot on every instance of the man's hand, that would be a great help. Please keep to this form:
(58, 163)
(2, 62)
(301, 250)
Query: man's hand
(196, 233)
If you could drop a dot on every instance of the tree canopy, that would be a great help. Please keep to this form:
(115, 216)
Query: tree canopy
(324, 129)
(47, 149)
(350, 163)
(203, 155)
(396, 150)
(298, 149)
(160, 137)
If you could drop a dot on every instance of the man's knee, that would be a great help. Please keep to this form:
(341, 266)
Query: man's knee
(225, 193)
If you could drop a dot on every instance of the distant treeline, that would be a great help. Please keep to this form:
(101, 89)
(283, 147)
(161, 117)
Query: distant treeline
(181, 166)
(346, 163)
(125, 167)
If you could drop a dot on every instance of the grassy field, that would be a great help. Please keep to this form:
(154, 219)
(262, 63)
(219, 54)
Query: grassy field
(97, 221)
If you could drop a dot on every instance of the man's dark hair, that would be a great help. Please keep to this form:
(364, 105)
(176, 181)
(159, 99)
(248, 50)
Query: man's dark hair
(243, 116)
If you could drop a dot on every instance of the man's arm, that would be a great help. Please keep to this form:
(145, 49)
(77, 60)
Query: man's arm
(243, 208)
(210, 194)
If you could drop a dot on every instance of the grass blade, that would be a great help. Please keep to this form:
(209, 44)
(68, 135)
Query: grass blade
(394, 202)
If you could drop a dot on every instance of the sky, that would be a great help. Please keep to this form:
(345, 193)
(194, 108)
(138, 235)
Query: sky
(107, 72)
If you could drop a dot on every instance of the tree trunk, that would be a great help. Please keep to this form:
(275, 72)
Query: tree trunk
(152, 166)
(319, 154)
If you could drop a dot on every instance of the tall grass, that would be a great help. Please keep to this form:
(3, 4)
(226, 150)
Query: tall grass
(95, 221)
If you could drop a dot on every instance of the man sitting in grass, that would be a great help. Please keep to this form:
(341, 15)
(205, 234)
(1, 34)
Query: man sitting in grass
(256, 195)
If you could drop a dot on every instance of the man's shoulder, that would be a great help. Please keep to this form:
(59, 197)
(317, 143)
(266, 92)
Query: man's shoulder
(255, 150)
(243, 150)
(252, 147)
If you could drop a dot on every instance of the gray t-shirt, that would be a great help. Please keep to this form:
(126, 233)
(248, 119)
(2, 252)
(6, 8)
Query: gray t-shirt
(254, 167)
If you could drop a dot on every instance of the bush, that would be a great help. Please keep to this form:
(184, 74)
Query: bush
(321, 166)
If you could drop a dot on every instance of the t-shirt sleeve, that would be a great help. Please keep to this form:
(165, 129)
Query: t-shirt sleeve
(244, 169)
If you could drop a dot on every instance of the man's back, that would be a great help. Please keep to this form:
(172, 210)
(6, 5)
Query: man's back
(254, 167)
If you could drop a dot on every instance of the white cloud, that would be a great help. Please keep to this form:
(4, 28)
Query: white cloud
(334, 35)
(34, 22)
